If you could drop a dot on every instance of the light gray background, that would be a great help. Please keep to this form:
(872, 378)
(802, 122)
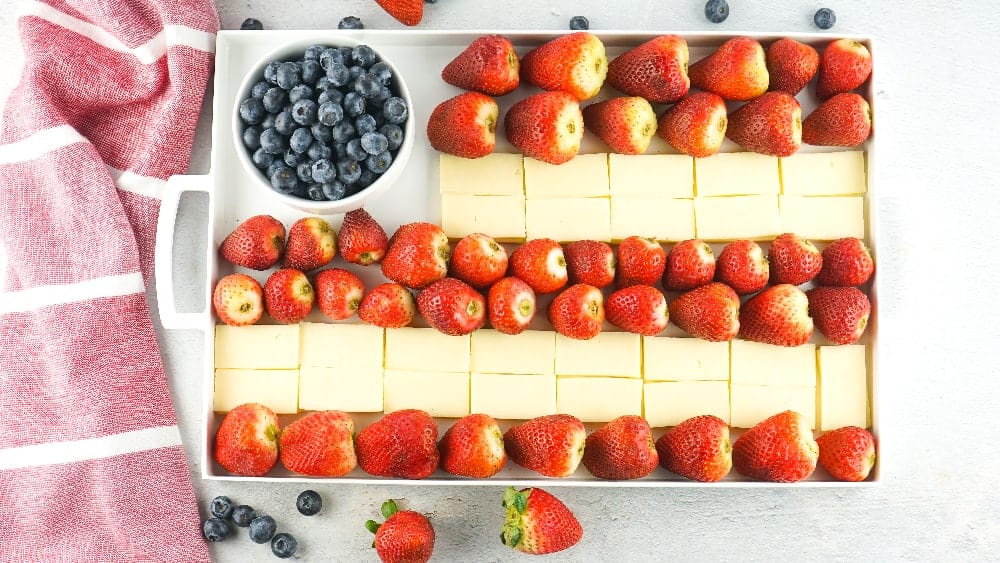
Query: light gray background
(937, 74)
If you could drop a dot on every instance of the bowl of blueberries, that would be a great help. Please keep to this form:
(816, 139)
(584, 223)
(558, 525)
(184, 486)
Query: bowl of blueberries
(323, 128)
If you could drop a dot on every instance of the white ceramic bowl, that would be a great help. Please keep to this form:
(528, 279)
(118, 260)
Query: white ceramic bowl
(294, 50)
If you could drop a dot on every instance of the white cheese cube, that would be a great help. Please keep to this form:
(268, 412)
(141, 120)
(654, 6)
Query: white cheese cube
(669, 403)
(532, 351)
(585, 175)
(843, 390)
(751, 404)
(345, 345)
(425, 349)
(514, 396)
(824, 173)
(609, 354)
(823, 218)
(257, 346)
(598, 399)
(441, 394)
(752, 217)
(338, 388)
(736, 173)
(652, 217)
(754, 363)
(651, 175)
(501, 217)
(493, 174)
(277, 389)
(568, 219)
(684, 359)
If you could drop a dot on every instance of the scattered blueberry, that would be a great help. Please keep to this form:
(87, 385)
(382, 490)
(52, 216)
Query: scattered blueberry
(292, 158)
(365, 85)
(321, 132)
(309, 502)
(222, 507)
(313, 52)
(374, 143)
(351, 22)
(302, 139)
(304, 112)
(285, 123)
(579, 23)
(354, 104)
(260, 88)
(289, 75)
(315, 192)
(334, 190)
(283, 545)
(330, 56)
(261, 158)
(268, 122)
(272, 141)
(716, 11)
(355, 150)
(319, 150)
(394, 134)
(339, 74)
(271, 72)
(381, 72)
(275, 99)
(215, 529)
(364, 56)
(365, 123)
(348, 171)
(300, 92)
(262, 529)
(379, 163)
(395, 110)
(323, 171)
(825, 18)
(252, 111)
(252, 24)
(330, 113)
(311, 72)
(242, 515)
(251, 137)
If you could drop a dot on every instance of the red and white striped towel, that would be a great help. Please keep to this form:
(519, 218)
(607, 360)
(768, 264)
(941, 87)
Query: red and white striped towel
(91, 463)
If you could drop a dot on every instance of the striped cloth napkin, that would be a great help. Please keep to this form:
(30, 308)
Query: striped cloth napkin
(91, 462)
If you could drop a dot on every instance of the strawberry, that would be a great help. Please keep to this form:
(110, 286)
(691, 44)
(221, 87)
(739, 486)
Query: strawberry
(578, 312)
(625, 124)
(621, 449)
(710, 312)
(743, 267)
(779, 449)
(537, 522)
(771, 125)
(791, 65)
(488, 65)
(845, 120)
(590, 262)
(848, 453)
(844, 66)
(389, 305)
(511, 305)
(362, 240)
(846, 262)
(840, 313)
(690, 264)
(417, 255)
(793, 260)
(320, 443)
(640, 262)
(696, 125)
(400, 444)
(656, 70)
(551, 445)
(452, 306)
(698, 448)
(641, 309)
(574, 63)
(465, 125)
(246, 442)
(256, 243)
(407, 12)
(778, 315)
(238, 300)
(737, 70)
(312, 243)
(547, 126)
(338, 293)
(288, 296)
(541, 264)
(478, 260)
(405, 536)
(473, 447)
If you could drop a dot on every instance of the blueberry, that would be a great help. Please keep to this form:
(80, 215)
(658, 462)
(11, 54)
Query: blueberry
(321, 132)
(242, 515)
(383, 95)
(393, 134)
(348, 171)
(323, 171)
(275, 99)
(379, 163)
(313, 52)
(716, 11)
(379, 118)
(284, 180)
(292, 158)
(356, 72)
(260, 88)
(301, 190)
(367, 178)
(289, 75)
(338, 74)
(351, 22)
(323, 83)
(346, 53)
(272, 141)
(251, 24)
(252, 111)
(311, 71)
(334, 190)
(374, 143)
(278, 164)
(304, 171)
(251, 137)
(268, 122)
(366, 86)
(222, 507)
(381, 72)
(365, 123)
(330, 113)
(300, 92)
(824, 18)
(271, 72)
(329, 57)
(364, 56)
(318, 151)
(355, 150)
(283, 545)
(395, 110)
(300, 141)
(342, 132)
(304, 112)
(215, 529)
(315, 192)
(354, 104)
(262, 529)
(261, 158)
(579, 23)
(331, 95)
(284, 123)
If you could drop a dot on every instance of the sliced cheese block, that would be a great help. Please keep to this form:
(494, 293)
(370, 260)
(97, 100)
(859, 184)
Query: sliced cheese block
(277, 389)
(729, 218)
(651, 175)
(568, 219)
(751, 404)
(444, 394)
(257, 346)
(339, 388)
(843, 389)
(754, 363)
(824, 173)
(736, 173)
(684, 359)
(585, 175)
(598, 399)
(669, 403)
(501, 217)
(514, 396)
(823, 218)
(609, 354)
(532, 351)
(346, 345)
(493, 174)
(652, 217)
(425, 349)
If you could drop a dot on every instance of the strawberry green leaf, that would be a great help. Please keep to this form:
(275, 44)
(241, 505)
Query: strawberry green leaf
(372, 526)
(389, 508)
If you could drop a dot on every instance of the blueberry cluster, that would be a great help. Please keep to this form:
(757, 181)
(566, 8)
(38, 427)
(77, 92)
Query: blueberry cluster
(261, 527)
(326, 125)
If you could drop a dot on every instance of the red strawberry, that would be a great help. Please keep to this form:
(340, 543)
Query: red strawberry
(590, 262)
(473, 447)
(465, 125)
(288, 296)
(547, 126)
(320, 443)
(840, 313)
(778, 315)
(417, 256)
(541, 264)
(844, 66)
(578, 312)
(847, 453)
(793, 260)
(452, 306)
(641, 309)
(791, 65)
(362, 240)
(551, 445)
(574, 63)
(743, 267)
(736, 71)
(698, 448)
(238, 300)
(710, 312)
(338, 293)
(488, 65)
(626, 125)
(511, 305)
(246, 442)
(401, 444)
(690, 264)
(640, 262)
(478, 260)
(537, 522)
(656, 70)
(312, 243)
(845, 120)
(389, 305)
(622, 449)
(256, 243)
(771, 125)
(779, 449)
(407, 12)
(696, 125)
(846, 262)
(404, 537)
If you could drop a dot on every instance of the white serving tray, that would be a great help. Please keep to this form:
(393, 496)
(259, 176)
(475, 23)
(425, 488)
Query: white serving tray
(421, 54)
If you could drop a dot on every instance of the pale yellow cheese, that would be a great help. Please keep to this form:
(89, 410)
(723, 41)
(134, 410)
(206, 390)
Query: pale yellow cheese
(754, 363)
(651, 175)
(736, 173)
(823, 218)
(493, 174)
(277, 389)
(751, 404)
(532, 351)
(598, 399)
(729, 218)
(669, 403)
(585, 175)
(568, 219)
(657, 218)
(684, 359)
(824, 173)
(425, 349)
(514, 396)
(843, 390)
(609, 354)
(347, 345)
(444, 394)
(257, 346)
(501, 217)
(339, 388)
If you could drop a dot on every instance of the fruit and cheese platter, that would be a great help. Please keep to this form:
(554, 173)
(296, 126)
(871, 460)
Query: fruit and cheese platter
(577, 260)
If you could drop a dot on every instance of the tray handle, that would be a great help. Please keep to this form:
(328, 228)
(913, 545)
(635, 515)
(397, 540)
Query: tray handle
(163, 262)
